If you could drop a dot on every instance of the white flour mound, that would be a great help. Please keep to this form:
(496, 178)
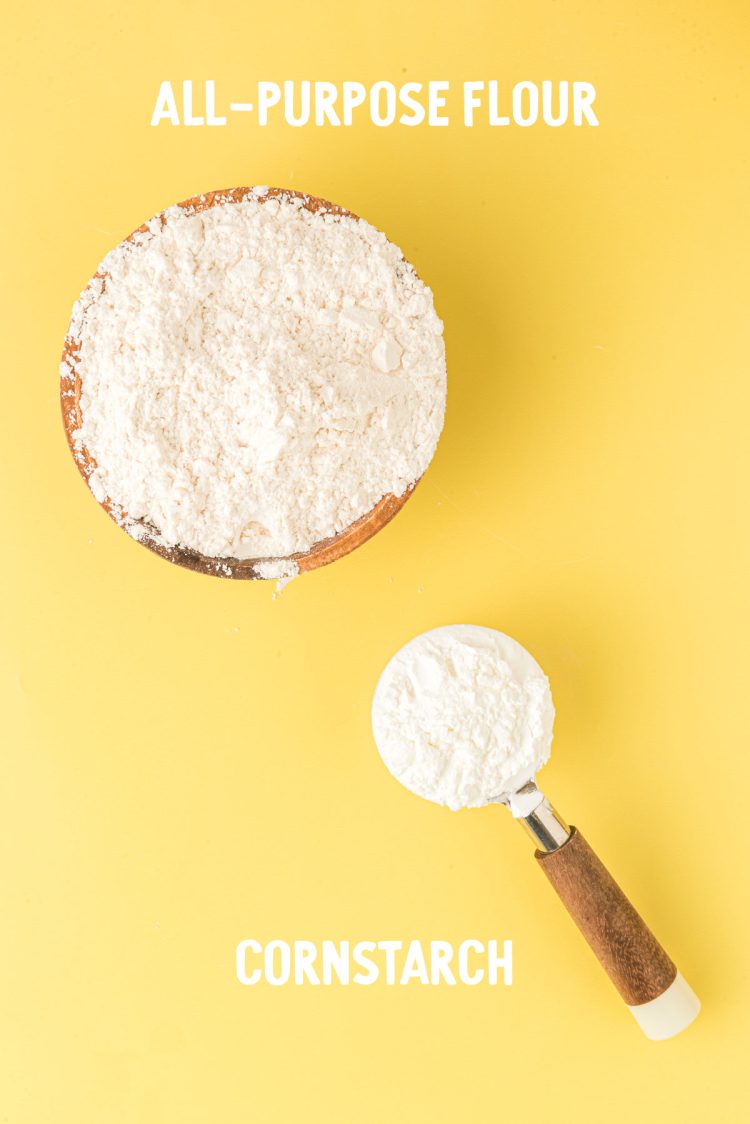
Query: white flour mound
(255, 376)
(462, 715)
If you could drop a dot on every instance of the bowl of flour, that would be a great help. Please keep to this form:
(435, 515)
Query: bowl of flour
(253, 382)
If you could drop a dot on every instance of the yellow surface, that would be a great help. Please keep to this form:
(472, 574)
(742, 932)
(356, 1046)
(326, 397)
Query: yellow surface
(188, 763)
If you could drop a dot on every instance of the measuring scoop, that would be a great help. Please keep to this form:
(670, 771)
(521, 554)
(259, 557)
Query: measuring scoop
(426, 687)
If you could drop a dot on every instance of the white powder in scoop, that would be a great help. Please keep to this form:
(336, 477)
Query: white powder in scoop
(255, 377)
(462, 715)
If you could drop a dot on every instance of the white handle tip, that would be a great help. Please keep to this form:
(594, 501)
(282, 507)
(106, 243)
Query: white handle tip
(670, 1012)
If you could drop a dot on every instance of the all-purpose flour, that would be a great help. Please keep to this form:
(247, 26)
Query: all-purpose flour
(462, 715)
(256, 376)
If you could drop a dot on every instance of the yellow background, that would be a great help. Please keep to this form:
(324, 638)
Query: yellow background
(188, 762)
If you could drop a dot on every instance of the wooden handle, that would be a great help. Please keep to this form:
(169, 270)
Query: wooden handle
(625, 946)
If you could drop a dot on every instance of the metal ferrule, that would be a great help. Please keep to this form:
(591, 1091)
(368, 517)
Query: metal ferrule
(532, 808)
(546, 827)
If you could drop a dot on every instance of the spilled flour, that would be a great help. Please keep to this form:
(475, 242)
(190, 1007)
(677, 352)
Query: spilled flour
(280, 570)
(255, 377)
(463, 715)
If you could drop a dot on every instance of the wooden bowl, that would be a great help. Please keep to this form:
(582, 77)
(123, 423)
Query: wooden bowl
(323, 552)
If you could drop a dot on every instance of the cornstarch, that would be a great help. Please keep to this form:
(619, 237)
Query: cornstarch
(462, 715)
